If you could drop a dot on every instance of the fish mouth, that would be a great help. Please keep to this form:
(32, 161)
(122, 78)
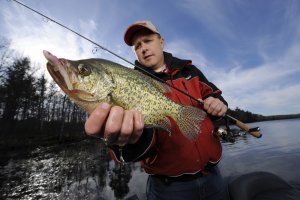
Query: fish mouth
(60, 73)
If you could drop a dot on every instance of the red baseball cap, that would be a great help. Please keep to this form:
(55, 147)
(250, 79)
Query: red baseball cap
(132, 29)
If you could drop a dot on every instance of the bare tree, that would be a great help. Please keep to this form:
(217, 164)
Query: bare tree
(41, 90)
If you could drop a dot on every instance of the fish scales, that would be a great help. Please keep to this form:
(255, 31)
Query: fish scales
(130, 89)
(90, 82)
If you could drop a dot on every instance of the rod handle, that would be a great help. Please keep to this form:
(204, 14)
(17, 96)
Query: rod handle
(253, 131)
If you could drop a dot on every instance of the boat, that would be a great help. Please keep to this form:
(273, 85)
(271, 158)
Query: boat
(261, 186)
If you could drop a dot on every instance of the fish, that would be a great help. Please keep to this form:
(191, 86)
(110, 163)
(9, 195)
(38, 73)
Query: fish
(89, 82)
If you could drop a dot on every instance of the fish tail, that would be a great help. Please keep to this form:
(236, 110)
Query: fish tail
(190, 120)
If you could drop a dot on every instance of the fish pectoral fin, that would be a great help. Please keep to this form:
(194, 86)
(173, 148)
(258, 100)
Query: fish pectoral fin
(79, 94)
(87, 106)
(190, 120)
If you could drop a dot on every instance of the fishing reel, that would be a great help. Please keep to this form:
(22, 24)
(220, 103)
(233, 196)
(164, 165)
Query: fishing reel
(228, 134)
(224, 134)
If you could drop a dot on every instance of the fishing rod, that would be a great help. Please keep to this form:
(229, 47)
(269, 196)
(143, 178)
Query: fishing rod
(253, 131)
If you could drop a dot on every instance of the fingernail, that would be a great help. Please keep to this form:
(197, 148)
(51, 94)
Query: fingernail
(105, 106)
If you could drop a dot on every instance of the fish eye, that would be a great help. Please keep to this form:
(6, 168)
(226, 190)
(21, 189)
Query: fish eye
(84, 70)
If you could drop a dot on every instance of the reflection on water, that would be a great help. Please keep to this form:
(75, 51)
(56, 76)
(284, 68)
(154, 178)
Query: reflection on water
(75, 171)
(84, 170)
(278, 151)
(60, 172)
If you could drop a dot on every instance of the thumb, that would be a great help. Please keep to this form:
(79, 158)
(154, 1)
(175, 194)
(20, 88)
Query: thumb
(201, 100)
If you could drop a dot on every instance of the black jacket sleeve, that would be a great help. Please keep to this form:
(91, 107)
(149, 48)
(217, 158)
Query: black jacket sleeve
(142, 149)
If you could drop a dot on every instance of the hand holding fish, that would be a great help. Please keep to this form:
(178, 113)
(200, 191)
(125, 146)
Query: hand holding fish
(118, 126)
(214, 106)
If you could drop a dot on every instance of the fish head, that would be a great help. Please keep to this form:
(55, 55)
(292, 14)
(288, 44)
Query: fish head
(83, 81)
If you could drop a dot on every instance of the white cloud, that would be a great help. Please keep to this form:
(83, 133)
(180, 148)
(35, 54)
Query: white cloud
(31, 34)
(184, 50)
(261, 88)
(279, 100)
(265, 89)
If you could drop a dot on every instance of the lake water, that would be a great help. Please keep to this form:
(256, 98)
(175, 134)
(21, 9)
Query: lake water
(84, 170)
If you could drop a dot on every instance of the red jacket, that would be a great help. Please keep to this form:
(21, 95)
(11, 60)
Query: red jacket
(174, 154)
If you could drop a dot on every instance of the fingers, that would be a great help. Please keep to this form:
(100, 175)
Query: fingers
(97, 119)
(215, 106)
(117, 126)
(114, 124)
(131, 129)
(124, 126)
(223, 111)
(138, 127)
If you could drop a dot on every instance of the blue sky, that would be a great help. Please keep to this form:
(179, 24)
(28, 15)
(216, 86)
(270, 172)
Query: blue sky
(249, 48)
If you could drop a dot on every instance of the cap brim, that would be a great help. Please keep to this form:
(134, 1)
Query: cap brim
(130, 32)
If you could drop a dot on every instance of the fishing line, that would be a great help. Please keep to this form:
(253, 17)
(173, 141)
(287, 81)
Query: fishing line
(238, 123)
(109, 51)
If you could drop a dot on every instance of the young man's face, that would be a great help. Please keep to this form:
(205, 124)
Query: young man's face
(148, 47)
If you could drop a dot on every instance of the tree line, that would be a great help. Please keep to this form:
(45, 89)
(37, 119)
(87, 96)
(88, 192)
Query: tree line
(33, 107)
(30, 105)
